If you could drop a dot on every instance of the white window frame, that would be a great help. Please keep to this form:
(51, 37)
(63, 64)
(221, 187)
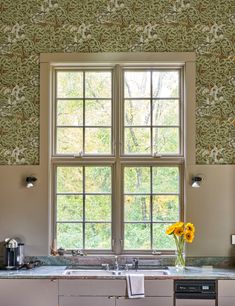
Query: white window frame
(49, 61)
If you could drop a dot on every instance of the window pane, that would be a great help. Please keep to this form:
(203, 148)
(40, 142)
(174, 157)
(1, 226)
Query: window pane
(69, 236)
(137, 236)
(137, 84)
(98, 84)
(69, 207)
(69, 84)
(166, 208)
(137, 208)
(161, 241)
(69, 112)
(137, 180)
(165, 179)
(69, 140)
(166, 112)
(165, 84)
(137, 141)
(98, 113)
(166, 140)
(98, 179)
(137, 112)
(98, 141)
(98, 236)
(98, 208)
(69, 179)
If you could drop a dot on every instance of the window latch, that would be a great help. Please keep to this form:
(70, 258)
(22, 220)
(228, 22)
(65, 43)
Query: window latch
(157, 155)
(79, 155)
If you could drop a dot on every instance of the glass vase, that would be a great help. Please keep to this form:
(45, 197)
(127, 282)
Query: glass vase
(180, 260)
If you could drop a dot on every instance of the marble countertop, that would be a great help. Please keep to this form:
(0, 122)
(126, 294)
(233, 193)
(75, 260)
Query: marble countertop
(58, 272)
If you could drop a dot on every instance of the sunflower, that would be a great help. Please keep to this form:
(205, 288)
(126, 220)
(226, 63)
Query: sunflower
(179, 231)
(189, 236)
(190, 227)
(170, 229)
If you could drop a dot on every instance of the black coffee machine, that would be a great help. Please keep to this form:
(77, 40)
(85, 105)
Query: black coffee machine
(14, 253)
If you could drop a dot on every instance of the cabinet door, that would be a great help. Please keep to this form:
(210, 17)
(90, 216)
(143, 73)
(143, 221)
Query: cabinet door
(86, 301)
(26, 292)
(226, 301)
(148, 301)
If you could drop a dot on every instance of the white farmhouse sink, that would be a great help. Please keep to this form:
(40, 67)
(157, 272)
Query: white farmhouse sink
(81, 272)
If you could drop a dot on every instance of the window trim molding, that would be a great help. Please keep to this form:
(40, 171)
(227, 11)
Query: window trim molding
(48, 60)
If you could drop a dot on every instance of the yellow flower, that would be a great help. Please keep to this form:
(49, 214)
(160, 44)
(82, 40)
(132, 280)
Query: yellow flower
(190, 227)
(189, 236)
(170, 229)
(179, 224)
(179, 231)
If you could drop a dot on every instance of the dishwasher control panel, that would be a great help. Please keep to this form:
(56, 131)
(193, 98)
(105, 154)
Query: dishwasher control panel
(195, 289)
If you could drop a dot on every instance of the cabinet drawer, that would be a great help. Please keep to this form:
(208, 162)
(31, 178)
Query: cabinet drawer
(113, 287)
(92, 287)
(159, 287)
(148, 301)
(226, 288)
(86, 301)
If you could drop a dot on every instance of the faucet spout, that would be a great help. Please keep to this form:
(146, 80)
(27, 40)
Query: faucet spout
(116, 264)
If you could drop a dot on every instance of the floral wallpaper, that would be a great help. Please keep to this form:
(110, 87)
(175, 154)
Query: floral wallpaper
(30, 27)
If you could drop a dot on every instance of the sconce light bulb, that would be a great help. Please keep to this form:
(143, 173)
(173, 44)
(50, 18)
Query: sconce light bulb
(30, 181)
(196, 181)
(29, 185)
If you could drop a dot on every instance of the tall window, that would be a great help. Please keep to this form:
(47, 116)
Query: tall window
(117, 152)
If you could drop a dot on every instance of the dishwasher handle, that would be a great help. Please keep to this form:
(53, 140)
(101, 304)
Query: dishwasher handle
(195, 296)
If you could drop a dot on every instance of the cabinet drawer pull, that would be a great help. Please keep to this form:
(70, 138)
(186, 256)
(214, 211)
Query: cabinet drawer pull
(111, 297)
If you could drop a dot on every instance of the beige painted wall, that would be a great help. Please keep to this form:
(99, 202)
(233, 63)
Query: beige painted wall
(24, 212)
(212, 208)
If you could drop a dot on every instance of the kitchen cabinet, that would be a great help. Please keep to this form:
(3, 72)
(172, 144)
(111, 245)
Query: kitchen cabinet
(226, 292)
(113, 293)
(28, 292)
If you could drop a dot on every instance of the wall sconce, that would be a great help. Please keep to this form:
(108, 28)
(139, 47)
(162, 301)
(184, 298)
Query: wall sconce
(30, 181)
(196, 181)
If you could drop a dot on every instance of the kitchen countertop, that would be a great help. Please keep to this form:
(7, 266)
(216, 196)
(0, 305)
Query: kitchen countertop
(57, 272)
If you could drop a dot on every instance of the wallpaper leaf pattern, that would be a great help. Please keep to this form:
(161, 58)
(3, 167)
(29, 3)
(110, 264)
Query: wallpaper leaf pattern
(30, 27)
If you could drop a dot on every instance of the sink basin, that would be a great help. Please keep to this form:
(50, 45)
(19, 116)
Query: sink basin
(82, 272)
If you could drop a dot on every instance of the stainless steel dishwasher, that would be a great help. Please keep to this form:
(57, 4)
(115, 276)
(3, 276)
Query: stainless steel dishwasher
(195, 293)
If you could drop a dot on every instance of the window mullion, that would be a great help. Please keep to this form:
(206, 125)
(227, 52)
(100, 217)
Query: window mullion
(151, 111)
(84, 206)
(117, 197)
(151, 206)
(84, 115)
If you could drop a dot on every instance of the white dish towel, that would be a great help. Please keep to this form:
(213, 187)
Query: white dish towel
(135, 286)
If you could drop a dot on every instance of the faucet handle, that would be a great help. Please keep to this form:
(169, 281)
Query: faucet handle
(105, 266)
(127, 266)
(136, 263)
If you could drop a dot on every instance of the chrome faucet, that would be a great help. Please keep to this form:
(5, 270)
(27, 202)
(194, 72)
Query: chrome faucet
(116, 264)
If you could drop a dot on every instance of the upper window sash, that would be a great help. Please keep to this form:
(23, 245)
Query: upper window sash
(137, 138)
(82, 109)
(152, 111)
